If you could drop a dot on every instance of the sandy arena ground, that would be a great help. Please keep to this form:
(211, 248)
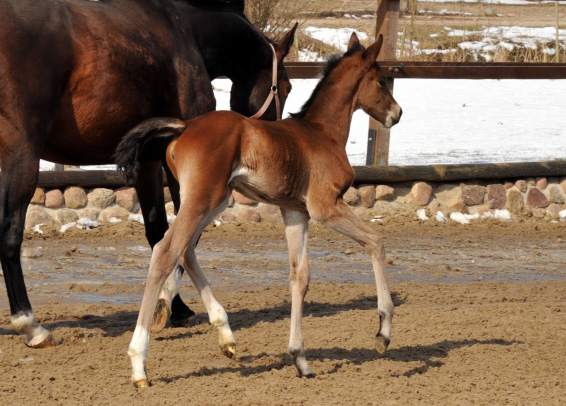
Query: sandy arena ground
(480, 319)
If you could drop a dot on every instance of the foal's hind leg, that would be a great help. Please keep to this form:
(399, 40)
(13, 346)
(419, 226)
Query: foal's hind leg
(18, 179)
(340, 217)
(182, 235)
(149, 187)
(296, 229)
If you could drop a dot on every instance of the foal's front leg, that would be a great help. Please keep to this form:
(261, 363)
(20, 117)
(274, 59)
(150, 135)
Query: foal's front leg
(340, 217)
(216, 313)
(296, 230)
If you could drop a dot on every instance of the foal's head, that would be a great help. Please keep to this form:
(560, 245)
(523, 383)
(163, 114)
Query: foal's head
(250, 92)
(372, 96)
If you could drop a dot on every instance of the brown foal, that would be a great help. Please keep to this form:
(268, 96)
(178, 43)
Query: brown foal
(299, 164)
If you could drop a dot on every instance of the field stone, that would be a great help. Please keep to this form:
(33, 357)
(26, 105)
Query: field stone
(536, 199)
(554, 210)
(247, 215)
(91, 214)
(563, 185)
(117, 212)
(521, 185)
(496, 196)
(472, 195)
(384, 192)
(447, 195)
(54, 199)
(126, 197)
(75, 198)
(367, 195)
(101, 197)
(542, 183)
(66, 216)
(352, 197)
(421, 193)
(554, 195)
(38, 196)
(37, 215)
(166, 194)
(270, 213)
(514, 202)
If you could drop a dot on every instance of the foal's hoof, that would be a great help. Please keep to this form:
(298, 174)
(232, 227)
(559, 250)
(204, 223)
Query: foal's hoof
(160, 316)
(142, 383)
(47, 342)
(229, 350)
(381, 343)
(307, 375)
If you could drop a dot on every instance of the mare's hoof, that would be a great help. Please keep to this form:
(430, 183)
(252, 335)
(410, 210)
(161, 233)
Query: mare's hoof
(381, 343)
(181, 315)
(160, 316)
(142, 383)
(185, 322)
(48, 342)
(229, 350)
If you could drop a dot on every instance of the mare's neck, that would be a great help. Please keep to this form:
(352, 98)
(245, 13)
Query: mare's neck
(228, 43)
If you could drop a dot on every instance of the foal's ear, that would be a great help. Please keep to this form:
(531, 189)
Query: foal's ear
(370, 54)
(354, 42)
(284, 45)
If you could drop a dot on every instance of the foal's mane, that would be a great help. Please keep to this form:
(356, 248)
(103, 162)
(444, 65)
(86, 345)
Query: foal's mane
(326, 70)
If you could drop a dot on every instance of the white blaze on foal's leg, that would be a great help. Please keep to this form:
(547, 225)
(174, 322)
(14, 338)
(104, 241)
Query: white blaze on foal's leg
(138, 355)
(35, 335)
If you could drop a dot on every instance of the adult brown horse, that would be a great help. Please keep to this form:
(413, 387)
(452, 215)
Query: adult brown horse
(76, 75)
(299, 164)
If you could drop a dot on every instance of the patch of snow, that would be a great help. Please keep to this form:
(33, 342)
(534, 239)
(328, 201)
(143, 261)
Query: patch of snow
(440, 217)
(421, 214)
(37, 229)
(114, 220)
(502, 215)
(136, 217)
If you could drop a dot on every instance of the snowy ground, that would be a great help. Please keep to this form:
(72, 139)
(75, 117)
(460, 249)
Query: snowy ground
(459, 121)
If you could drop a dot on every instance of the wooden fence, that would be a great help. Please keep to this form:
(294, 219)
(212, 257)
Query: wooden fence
(387, 22)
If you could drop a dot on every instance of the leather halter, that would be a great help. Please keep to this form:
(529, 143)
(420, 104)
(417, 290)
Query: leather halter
(272, 91)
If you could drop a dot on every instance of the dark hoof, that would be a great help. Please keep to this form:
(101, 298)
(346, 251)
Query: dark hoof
(381, 343)
(160, 316)
(181, 315)
(309, 375)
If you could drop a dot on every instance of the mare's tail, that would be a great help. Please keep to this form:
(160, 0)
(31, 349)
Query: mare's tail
(128, 151)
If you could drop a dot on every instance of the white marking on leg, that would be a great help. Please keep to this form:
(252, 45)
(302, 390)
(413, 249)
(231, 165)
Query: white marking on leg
(28, 325)
(138, 353)
(171, 287)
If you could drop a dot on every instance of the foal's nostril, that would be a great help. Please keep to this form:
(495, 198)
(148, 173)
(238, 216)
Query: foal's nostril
(400, 114)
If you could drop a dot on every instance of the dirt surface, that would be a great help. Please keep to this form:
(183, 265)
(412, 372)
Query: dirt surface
(480, 319)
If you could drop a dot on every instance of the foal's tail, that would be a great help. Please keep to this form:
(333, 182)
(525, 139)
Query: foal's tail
(128, 150)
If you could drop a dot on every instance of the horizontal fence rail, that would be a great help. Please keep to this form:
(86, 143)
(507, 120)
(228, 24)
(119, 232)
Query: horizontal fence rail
(363, 174)
(446, 70)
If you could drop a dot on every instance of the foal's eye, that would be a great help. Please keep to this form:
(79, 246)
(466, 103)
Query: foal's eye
(382, 82)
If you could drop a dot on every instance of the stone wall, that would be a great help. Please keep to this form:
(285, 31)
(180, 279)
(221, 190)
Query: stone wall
(539, 198)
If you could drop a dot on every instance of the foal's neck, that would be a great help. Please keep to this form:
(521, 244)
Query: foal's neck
(332, 111)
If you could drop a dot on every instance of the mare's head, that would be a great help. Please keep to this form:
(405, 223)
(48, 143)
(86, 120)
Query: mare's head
(373, 95)
(251, 91)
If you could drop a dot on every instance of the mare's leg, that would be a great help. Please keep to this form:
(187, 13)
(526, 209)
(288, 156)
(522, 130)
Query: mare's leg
(194, 215)
(340, 217)
(149, 187)
(18, 179)
(296, 229)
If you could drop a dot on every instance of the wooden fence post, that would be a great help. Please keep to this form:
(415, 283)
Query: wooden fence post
(387, 23)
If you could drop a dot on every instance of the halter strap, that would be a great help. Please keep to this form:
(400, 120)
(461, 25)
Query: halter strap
(272, 92)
